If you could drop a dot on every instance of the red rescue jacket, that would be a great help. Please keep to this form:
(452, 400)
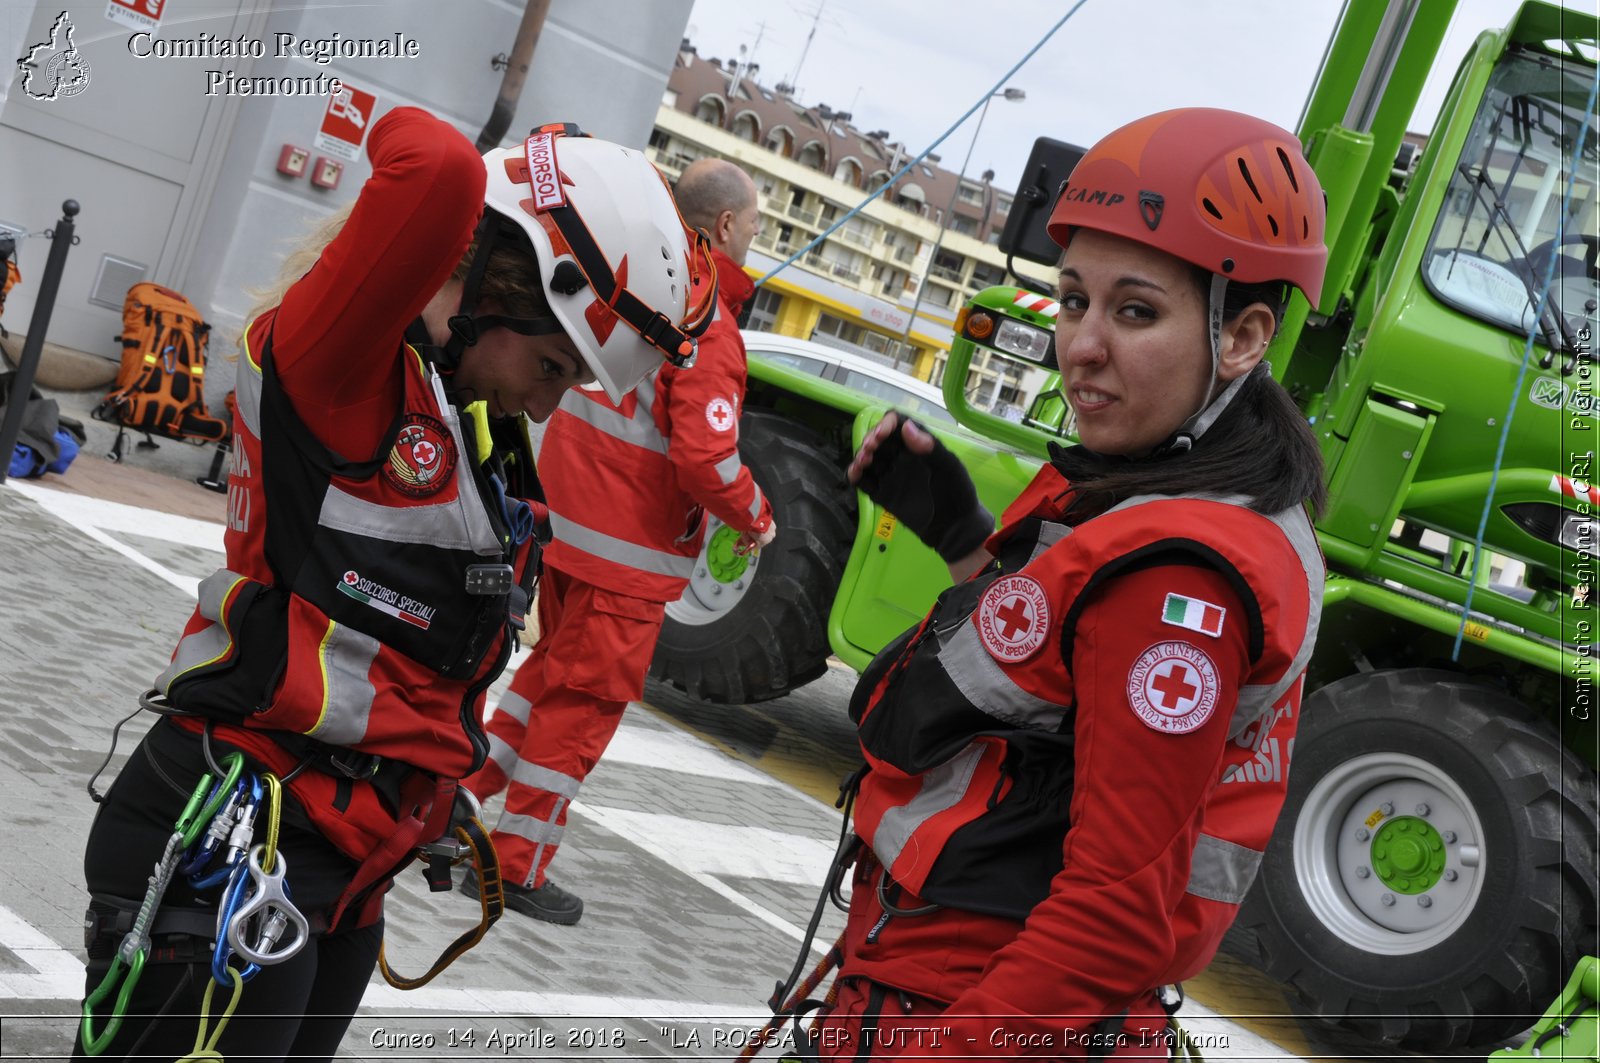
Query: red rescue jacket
(629, 485)
(977, 724)
(368, 605)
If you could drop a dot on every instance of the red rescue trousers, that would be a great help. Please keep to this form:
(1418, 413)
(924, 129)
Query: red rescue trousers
(565, 703)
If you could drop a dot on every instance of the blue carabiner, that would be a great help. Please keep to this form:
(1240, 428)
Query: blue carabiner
(221, 952)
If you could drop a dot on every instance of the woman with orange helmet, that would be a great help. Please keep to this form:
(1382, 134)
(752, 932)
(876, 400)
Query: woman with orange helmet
(384, 531)
(1074, 762)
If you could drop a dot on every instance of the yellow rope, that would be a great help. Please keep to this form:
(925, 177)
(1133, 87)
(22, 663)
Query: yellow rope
(205, 1051)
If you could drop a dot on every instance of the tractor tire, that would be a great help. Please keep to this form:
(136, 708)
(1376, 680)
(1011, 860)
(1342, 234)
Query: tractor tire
(751, 630)
(1432, 879)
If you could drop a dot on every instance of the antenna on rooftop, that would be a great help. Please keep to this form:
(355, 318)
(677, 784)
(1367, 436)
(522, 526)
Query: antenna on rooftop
(794, 78)
(747, 61)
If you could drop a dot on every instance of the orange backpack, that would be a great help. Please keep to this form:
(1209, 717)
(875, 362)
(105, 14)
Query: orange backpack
(8, 248)
(160, 386)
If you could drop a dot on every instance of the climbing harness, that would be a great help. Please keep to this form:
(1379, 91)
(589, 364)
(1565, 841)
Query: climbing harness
(216, 826)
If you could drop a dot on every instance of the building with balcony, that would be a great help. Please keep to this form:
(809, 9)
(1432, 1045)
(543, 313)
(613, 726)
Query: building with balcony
(857, 289)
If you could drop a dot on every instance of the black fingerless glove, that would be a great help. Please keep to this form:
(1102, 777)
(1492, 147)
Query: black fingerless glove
(929, 493)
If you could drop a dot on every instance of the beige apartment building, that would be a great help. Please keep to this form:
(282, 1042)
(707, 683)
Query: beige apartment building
(858, 288)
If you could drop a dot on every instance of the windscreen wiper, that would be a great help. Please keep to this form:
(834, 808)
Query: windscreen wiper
(1558, 338)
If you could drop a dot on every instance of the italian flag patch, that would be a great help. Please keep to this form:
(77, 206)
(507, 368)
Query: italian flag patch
(1194, 614)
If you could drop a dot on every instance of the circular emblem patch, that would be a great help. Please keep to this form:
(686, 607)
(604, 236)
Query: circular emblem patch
(422, 458)
(720, 415)
(1173, 687)
(1012, 618)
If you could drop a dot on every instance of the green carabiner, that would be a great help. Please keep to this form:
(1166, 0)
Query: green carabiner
(190, 824)
(93, 1045)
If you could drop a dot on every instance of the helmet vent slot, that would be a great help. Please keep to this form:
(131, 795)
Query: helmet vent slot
(1251, 181)
(1274, 223)
(665, 254)
(1211, 209)
(1288, 168)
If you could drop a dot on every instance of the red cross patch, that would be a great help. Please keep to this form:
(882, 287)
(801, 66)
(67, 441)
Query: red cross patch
(1173, 687)
(422, 458)
(720, 414)
(1012, 618)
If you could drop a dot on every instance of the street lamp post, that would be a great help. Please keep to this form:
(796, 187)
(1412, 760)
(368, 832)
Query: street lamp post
(1009, 93)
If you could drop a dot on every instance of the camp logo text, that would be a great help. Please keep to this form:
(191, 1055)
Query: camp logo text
(1099, 196)
(54, 69)
(387, 601)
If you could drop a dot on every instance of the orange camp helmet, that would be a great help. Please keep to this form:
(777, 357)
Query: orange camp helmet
(1224, 191)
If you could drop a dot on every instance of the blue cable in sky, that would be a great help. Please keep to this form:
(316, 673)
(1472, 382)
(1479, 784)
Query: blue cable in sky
(998, 85)
(1527, 356)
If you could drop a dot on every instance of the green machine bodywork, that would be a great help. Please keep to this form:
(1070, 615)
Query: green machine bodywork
(1434, 878)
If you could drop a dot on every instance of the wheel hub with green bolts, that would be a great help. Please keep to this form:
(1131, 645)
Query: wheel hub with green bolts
(1408, 855)
(1388, 853)
(720, 579)
(723, 563)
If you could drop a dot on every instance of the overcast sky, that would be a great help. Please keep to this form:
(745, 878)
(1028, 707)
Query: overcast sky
(913, 67)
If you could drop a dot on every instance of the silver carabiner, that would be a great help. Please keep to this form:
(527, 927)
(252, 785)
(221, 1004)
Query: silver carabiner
(267, 914)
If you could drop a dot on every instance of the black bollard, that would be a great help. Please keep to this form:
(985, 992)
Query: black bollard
(28, 367)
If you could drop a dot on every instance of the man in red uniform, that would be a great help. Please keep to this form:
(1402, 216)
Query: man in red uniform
(628, 486)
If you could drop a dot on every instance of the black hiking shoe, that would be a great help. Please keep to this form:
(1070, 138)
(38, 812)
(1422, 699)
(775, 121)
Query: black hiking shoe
(549, 902)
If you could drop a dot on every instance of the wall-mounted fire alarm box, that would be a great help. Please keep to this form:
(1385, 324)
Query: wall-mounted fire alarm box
(292, 160)
(326, 173)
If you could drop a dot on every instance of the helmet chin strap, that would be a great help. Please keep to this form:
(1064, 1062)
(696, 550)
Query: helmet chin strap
(466, 329)
(1214, 404)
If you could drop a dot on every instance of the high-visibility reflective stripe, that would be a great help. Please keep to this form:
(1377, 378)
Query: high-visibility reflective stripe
(247, 390)
(344, 657)
(1222, 870)
(539, 831)
(942, 787)
(728, 468)
(755, 506)
(501, 753)
(515, 706)
(474, 509)
(987, 687)
(1256, 701)
(621, 552)
(538, 777)
(1049, 534)
(210, 643)
(442, 525)
(640, 429)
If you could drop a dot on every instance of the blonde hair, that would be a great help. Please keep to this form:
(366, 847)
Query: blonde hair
(511, 279)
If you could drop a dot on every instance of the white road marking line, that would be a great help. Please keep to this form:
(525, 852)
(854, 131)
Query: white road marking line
(629, 827)
(676, 750)
(723, 850)
(96, 518)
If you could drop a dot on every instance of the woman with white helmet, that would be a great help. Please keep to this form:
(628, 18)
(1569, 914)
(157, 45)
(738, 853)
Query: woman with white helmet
(1075, 761)
(383, 540)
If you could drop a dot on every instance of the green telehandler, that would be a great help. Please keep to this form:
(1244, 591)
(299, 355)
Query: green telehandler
(1434, 878)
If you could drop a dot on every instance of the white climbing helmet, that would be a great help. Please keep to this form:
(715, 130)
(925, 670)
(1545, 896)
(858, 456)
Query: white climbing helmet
(628, 280)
